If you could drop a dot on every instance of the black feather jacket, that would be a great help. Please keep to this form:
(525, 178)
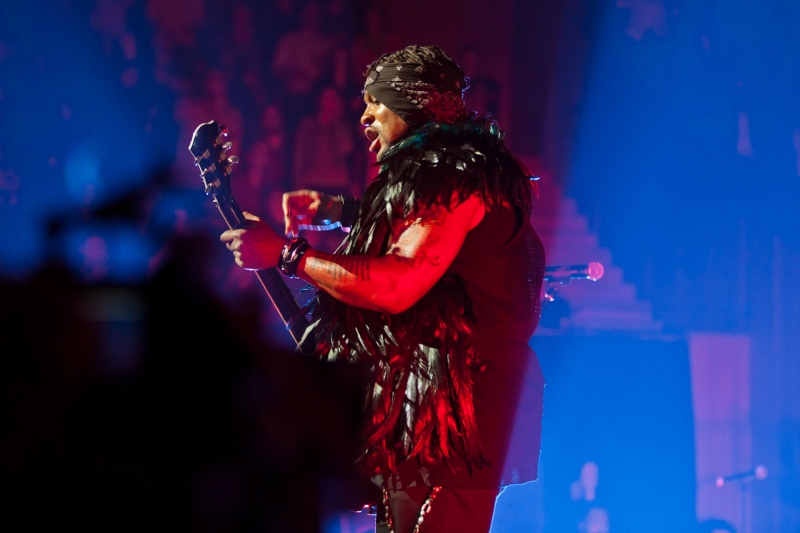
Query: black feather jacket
(420, 404)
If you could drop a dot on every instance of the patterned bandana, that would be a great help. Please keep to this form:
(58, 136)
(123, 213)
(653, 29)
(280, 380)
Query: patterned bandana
(416, 94)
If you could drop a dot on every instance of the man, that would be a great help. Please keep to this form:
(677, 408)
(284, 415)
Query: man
(437, 285)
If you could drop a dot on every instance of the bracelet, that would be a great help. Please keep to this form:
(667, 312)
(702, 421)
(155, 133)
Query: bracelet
(293, 251)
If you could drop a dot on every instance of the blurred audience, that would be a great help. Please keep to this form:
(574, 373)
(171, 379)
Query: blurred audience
(377, 39)
(301, 58)
(265, 165)
(175, 26)
(209, 102)
(322, 145)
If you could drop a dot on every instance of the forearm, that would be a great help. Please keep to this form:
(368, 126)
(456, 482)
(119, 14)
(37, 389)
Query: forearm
(420, 251)
(387, 283)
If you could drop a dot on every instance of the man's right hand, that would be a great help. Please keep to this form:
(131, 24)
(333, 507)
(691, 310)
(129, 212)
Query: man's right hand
(310, 210)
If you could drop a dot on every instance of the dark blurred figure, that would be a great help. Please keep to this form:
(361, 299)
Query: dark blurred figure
(131, 407)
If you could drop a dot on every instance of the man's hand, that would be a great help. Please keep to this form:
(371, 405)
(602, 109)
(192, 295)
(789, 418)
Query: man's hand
(256, 246)
(312, 210)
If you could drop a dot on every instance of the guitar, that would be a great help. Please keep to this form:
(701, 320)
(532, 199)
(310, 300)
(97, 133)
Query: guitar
(209, 149)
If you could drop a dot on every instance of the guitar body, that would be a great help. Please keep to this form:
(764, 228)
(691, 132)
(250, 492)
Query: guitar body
(209, 150)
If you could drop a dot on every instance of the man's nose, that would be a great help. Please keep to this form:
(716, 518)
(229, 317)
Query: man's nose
(367, 118)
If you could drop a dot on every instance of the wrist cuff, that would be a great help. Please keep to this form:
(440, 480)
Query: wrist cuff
(293, 251)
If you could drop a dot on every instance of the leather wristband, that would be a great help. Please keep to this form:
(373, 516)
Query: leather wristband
(293, 251)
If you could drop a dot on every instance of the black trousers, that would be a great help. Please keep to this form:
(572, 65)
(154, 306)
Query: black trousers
(452, 510)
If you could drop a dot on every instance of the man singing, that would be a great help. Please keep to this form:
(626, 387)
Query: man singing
(437, 287)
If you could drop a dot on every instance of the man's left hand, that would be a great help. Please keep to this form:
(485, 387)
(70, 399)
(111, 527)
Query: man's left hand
(256, 246)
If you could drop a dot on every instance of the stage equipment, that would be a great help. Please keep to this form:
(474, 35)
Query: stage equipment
(558, 276)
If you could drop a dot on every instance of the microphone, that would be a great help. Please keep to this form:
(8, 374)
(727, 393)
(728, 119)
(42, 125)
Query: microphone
(592, 271)
(759, 472)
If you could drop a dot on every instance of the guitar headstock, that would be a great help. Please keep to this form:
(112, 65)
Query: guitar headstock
(209, 149)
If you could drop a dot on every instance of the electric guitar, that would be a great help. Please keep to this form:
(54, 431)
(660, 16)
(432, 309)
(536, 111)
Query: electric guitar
(209, 149)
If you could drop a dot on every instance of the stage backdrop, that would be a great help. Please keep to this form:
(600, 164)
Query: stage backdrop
(618, 448)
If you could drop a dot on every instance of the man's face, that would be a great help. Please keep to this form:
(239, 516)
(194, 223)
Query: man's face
(383, 126)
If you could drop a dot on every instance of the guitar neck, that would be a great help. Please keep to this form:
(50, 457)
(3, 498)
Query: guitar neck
(271, 279)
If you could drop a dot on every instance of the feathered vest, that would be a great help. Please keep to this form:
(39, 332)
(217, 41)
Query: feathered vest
(420, 403)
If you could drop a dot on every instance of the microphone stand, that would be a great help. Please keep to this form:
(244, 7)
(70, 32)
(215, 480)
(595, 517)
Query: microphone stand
(558, 276)
(550, 294)
(745, 491)
(745, 479)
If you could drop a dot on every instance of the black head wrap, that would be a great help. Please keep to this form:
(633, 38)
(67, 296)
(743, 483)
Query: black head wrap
(417, 94)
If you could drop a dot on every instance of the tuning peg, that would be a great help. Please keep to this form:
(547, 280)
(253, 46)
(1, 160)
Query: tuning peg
(223, 132)
(232, 160)
(227, 145)
(200, 157)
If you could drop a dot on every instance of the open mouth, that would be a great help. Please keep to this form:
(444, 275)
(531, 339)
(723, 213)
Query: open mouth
(372, 135)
